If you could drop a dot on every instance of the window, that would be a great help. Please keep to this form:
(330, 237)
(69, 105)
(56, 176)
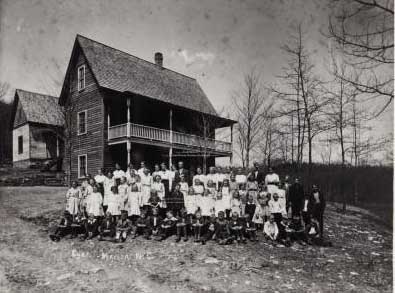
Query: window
(20, 144)
(81, 77)
(82, 166)
(81, 122)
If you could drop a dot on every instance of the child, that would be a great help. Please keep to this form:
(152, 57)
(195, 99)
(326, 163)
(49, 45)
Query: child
(236, 228)
(199, 191)
(107, 184)
(159, 187)
(91, 226)
(78, 225)
(113, 203)
(197, 225)
(190, 202)
(250, 206)
(210, 229)
(252, 187)
(270, 230)
(132, 201)
(306, 215)
(243, 196)
(175, 202)
(155, 222)
(184, 187)
(107, 228)
(122, 193)
(99, 179)
(168, 225)
(63, 228)
(227, 192)
(87, 190)
(141, 226)
(235, 203)
(233, 185)
(146, 181)
(219, 205)
(250, 229)
(206, 205)
(295, 231)
(154, 202)
(182, 225)
(276, 209)
(94, 203)
(123, 227)
(258, 217)
(73, 197)
(222, 233)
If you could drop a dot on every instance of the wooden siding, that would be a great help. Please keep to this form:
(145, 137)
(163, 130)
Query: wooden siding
(89, 99)
(20, 117)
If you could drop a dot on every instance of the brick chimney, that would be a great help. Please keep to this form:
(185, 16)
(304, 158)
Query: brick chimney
(159, 59)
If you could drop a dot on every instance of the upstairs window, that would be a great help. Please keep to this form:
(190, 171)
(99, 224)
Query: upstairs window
(81, 77)
(20, 144)
(81, 122)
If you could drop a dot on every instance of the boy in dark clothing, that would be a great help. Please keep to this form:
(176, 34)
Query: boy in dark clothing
(295, 231)
(168, 226)
(78, 225)
(175, 202)
(107, 228)
(154, 223)
(91, 227)
(236, 228)
(153, 202)
(197, 225)
(250, 206)
(222, 233)
(209, 229)
(123, 227)
(296, 195)
(182, 225)
(249, 228)
(142, 226)
(63, 228)
(317, 207)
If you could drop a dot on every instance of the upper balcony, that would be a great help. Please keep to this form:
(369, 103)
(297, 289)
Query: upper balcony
(168, 138)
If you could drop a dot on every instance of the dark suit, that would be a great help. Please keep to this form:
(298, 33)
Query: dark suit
(317, 208)
(296, 196)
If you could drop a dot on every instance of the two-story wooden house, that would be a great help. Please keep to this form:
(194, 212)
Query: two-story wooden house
(128, 110)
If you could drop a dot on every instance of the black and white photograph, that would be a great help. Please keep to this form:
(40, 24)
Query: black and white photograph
(196, 145)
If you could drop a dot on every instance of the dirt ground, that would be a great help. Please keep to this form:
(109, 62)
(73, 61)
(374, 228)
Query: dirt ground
(359, 261)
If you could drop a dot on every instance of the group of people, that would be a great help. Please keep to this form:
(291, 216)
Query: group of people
(218, 206)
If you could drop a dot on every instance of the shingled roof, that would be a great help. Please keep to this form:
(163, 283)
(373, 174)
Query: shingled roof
(120, 71)
(40, 108)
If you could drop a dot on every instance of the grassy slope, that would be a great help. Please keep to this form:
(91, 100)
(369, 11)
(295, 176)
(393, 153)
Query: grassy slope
(360, 259)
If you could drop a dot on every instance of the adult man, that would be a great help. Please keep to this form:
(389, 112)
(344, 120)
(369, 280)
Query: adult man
(272, 181)
(296, 195)
(183, 171)
(317, 207)
(258, 175)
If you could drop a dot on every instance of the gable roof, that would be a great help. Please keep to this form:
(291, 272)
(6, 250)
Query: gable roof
(120, 71)
(39, 108)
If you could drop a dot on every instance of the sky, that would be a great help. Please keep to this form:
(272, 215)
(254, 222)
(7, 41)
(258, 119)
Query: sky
(214, 41)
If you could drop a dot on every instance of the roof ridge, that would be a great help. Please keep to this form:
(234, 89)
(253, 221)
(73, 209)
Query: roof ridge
(151, 63)
(36, 93)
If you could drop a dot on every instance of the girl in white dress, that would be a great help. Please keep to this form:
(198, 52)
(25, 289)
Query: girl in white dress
(134, 192)
(123, 193)
(226, 197)
(113, 203)
(199, 191)
(235, 203)
(108, 183)
(94, 202)
(189, 201)
(206, 204)
(73, 197)
(146, 181)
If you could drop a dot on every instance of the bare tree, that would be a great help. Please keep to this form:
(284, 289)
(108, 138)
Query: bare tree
(252, 108)
(363, 30)
(5, 120)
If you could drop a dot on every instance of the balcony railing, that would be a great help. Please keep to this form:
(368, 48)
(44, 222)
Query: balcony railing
(164, 135)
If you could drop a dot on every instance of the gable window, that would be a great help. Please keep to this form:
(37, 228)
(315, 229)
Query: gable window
(20, 144)
(81, 77)
(81, 122)
(82, 166)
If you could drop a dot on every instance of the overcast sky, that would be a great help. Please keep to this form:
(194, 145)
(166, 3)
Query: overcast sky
(214, 41)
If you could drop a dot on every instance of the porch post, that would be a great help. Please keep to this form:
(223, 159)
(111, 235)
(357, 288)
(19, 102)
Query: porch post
(231, 145)
(128, 143)
(171, 138)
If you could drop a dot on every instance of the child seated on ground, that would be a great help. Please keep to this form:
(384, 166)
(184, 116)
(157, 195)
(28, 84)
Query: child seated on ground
(222, 233)
(123, 227)
(63, 228)
(78, 225)
(209, 233)
(249, 228)
(182, 225)
(73, 197)
(107, 228)
(270, 231)
(236, 228)
(168, 225)
(141, 226)
(295, 231)
(197, 224)
(91, 226)
(155, 222)
(276, 209)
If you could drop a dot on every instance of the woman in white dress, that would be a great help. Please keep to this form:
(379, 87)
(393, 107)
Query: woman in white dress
(108, 183)
(73, 197)
(123, 193)
(146, 181)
